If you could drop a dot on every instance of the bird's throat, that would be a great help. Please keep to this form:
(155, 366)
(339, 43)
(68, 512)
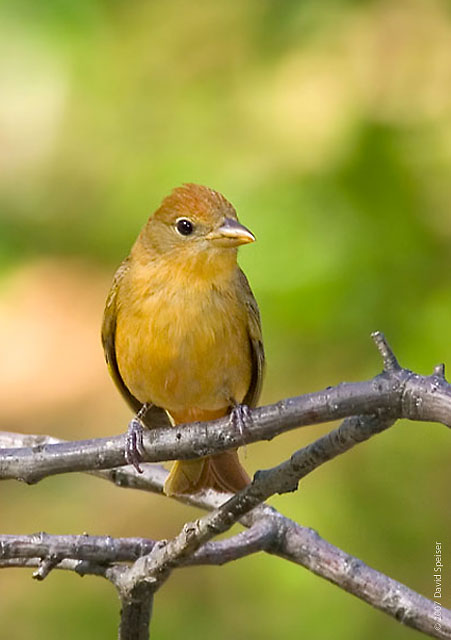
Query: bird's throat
(193, 268)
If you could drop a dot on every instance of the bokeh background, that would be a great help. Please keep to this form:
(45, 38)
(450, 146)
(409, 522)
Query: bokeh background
(328, 125)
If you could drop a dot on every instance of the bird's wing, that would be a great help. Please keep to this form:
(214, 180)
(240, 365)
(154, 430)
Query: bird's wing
(256, 341)
(155, 416)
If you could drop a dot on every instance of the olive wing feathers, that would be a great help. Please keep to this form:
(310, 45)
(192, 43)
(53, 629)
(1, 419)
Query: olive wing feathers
(255, 339)
(155, 416)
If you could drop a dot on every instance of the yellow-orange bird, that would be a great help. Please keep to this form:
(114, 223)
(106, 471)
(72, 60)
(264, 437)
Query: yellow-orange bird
(181, 330)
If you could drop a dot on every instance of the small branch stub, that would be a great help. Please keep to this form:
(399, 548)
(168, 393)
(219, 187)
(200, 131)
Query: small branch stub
(45, 567)
(439, 370)
(390, 361)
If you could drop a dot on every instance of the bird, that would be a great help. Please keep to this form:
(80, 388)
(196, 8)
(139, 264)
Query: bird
(182, 332)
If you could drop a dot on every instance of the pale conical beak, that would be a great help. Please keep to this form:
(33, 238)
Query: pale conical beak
(231, 234)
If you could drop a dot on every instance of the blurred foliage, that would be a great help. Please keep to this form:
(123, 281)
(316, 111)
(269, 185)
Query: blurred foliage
(328, 125)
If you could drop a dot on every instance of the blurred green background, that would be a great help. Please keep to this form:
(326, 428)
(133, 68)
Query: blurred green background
(328, 125)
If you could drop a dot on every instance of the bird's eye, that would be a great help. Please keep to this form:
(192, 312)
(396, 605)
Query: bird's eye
(184, 226)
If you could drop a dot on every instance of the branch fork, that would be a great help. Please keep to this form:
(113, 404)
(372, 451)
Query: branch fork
(138, 568)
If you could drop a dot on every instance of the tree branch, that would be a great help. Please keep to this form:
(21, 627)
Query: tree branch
(351, 574)
(395, 393)
(87, 553)
(278, 536)
(282, 537)
(398, 393)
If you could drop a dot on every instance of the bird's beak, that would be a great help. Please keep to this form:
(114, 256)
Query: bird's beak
(231, 234)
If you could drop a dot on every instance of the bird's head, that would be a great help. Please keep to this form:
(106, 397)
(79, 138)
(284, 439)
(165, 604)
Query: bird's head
(195, 220)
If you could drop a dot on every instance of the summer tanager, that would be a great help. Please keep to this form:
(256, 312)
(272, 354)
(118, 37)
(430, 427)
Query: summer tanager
(181, 330)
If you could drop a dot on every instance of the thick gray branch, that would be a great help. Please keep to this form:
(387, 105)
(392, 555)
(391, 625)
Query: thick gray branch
(136, 613)
(397, 393)
(285, 477)
(99, 549)
(306, 548)
(85, 554)
(291, 541)
(271, 532)
(294, 542)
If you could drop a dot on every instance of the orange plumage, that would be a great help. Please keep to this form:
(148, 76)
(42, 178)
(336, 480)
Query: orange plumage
(181, 329)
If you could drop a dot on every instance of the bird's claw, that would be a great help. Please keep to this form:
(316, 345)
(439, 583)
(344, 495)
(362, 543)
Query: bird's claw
(134, 446)
(241, 417)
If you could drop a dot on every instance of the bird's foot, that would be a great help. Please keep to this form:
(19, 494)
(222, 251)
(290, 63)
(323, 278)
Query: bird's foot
(241, 417)
(134, 445)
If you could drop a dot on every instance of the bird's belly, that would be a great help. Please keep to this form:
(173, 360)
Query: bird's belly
(184, 358)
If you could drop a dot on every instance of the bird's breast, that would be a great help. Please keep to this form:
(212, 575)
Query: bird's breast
(183, 347)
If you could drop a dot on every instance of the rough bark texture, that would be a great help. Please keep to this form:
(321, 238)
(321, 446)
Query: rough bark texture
(138, 567)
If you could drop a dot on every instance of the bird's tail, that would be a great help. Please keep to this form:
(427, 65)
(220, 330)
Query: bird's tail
(222, 472)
